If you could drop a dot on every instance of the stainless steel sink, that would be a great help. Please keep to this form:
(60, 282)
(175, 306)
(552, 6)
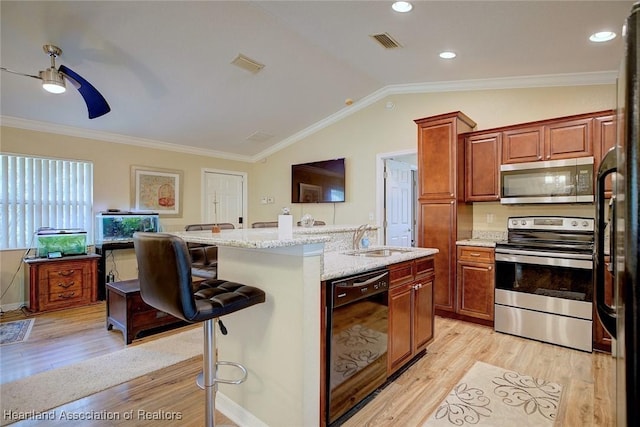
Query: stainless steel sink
(382, 252)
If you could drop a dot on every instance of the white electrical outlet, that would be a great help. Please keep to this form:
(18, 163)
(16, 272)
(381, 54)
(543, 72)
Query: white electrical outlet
(490, 218)
(370, 216)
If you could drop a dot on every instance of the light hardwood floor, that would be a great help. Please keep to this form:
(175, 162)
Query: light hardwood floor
(65, 337)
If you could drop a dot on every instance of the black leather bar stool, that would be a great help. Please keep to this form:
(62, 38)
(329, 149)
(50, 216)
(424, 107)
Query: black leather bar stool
(164, 273)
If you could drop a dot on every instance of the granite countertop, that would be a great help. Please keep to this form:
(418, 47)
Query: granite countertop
(250, 238)
(340, 264)
(486, 243)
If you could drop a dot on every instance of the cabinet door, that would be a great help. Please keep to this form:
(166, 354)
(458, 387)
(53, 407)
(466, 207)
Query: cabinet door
(423, 314)
(438, 230)
(400, 312)
(436, 157)
(565, 140)
(601, 338)
(522, 145)
(604, 136)
(476, 290)
(482, 163)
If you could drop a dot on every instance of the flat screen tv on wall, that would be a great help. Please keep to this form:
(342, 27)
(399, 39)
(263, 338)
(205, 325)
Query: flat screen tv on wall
(318, 182)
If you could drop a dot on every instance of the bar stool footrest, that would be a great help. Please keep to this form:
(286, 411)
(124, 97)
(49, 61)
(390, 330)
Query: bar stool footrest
(200, 378)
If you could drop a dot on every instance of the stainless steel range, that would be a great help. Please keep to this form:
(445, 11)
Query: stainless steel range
(544, 287)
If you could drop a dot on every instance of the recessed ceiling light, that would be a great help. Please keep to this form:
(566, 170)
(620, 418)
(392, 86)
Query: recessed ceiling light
(402, 6)
(447, 55)
(602, 36)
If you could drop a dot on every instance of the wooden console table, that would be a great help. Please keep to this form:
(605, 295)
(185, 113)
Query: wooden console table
(60, 283)
(127, 311)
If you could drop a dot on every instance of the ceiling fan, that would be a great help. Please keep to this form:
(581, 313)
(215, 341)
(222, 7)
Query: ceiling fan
(54, 81)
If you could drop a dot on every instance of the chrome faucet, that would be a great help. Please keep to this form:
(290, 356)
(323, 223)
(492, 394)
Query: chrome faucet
(358, 234)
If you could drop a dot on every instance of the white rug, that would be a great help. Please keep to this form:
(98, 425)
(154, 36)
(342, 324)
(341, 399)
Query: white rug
(50, 389)
(492, 396)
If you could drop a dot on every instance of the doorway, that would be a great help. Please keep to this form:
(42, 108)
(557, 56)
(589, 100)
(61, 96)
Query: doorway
(224, 196)
(396, 197)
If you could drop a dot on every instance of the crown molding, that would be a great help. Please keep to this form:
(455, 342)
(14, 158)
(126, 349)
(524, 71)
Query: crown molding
(550, 80)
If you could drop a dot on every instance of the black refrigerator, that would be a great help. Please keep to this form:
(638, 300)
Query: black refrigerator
(622, 319)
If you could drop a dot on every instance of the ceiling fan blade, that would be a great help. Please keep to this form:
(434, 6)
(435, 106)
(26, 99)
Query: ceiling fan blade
(96, 104)
(19, 73)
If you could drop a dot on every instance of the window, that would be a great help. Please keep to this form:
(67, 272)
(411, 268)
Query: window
(39, 192)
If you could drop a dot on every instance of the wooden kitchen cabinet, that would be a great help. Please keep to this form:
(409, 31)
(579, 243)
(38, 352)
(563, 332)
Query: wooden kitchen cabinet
(604, 136)
(476, 283)
(601, 338)
(482, 165)
(441, 156)
(443, 217)
(60, 283)
(555, 139)
(411, 310)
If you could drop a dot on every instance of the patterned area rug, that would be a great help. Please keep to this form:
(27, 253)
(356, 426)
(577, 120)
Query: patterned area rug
(15, 332)
(492, 396)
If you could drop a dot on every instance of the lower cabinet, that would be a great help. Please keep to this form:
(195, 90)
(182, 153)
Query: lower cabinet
(476, 283)
(601, 338)
(411, 310)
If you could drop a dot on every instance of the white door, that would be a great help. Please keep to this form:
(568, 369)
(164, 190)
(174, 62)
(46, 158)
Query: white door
(223, 197)
(398, 203)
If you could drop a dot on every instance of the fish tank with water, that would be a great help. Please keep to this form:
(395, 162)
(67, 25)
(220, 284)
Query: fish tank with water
(118, 227)
(58, 242)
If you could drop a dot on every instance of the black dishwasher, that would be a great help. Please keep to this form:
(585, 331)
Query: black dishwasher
(357, 327)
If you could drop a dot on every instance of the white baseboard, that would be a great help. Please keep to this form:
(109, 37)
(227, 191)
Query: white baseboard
(13, 306)
(237, 413)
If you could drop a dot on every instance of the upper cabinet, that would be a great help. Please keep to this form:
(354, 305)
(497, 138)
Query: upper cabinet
(581, 135)
(551, 140)
(440, 156)
(482, 162)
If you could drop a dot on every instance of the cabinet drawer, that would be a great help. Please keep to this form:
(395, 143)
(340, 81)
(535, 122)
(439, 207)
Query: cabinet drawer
(424, 267)
(400, 274)
(476, 254)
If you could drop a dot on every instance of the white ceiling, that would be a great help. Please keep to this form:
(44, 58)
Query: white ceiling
(165, 67)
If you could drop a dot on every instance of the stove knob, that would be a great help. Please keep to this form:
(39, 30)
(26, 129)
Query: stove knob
(523, 222)
(514, 222)
(574, 223)
(585, 223)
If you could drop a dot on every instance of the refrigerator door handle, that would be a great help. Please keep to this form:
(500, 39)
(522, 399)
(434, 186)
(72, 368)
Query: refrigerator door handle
(606, 313)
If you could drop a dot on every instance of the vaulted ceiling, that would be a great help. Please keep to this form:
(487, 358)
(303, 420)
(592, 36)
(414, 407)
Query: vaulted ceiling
(166, 67)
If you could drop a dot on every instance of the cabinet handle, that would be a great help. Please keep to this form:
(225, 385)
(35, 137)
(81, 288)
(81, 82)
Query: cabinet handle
(66, 285)
(66, 273)
(69, 295)
(417, 286)
(474, 254)
(490, 268)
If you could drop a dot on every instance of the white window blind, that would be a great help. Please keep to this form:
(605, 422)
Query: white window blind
(39, 192)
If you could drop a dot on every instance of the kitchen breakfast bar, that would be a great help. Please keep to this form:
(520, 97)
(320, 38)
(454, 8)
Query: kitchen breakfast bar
(280, 342)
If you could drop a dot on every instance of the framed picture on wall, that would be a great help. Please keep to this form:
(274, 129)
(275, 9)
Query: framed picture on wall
(157, 190)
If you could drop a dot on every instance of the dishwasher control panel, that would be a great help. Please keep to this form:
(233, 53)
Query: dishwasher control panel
(353, 288)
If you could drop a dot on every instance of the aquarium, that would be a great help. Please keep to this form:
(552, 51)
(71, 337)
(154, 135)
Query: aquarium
(119, 226)
(56, 243)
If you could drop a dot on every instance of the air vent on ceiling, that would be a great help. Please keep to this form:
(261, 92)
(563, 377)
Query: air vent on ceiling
(386, 40)
(259, 137)
(247, 63)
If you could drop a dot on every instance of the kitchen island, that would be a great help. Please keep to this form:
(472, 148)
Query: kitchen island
(280, 341)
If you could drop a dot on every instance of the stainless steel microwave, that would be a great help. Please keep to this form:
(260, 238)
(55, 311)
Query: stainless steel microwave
(552, 181)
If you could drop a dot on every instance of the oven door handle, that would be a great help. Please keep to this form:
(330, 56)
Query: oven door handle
(540, 259)
(607, 314)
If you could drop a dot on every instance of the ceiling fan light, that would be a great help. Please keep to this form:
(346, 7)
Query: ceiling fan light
(52, 81)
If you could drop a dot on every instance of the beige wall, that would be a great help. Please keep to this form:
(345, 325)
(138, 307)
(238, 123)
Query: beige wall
(112, 165)
(359, 138)
(376, 129)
